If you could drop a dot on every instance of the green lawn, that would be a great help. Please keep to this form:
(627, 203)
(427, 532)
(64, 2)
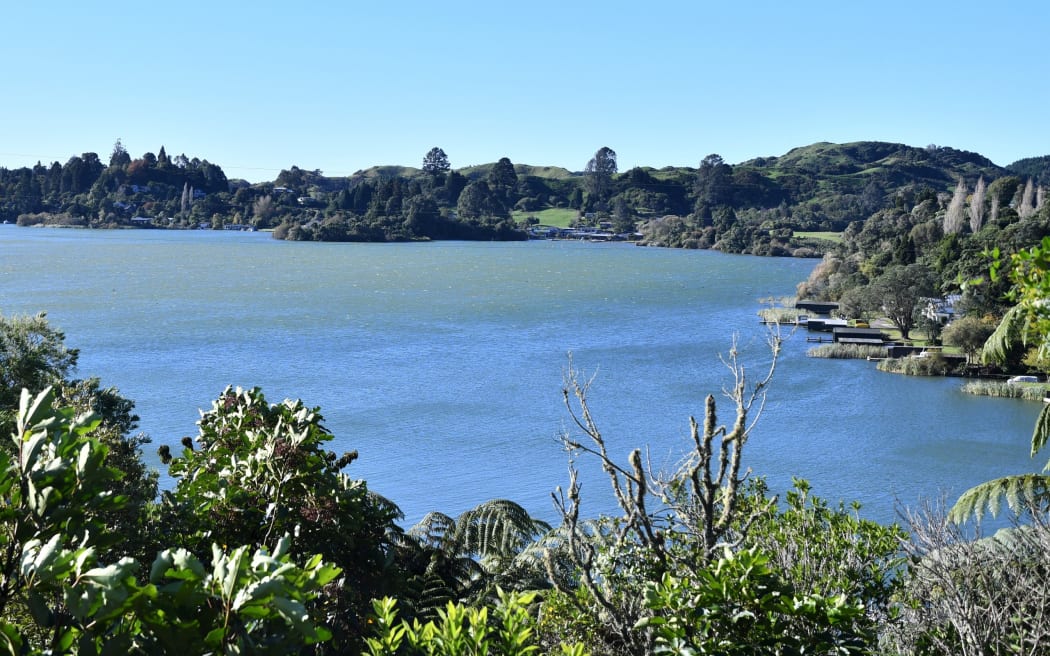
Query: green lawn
(826, 236)
(554, 216)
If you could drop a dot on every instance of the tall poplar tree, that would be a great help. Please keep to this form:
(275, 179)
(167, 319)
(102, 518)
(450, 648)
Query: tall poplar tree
(977, 206)
(953, 217)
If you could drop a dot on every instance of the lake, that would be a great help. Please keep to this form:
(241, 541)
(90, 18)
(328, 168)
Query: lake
(442, 363)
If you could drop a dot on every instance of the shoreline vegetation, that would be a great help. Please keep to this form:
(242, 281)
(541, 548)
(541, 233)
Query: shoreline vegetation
(799, 204)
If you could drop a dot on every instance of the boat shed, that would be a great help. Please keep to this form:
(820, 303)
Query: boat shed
(818, 307)
(826, 325)
(851, 335)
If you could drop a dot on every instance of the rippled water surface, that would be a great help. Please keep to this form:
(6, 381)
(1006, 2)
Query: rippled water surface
(442, 363)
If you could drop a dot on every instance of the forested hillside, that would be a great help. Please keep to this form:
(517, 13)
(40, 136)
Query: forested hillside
(765, 206)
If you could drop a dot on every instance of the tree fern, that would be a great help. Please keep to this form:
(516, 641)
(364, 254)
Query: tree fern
(1023, 492)
(1010, 331)
(497, 529)
(1041, 432)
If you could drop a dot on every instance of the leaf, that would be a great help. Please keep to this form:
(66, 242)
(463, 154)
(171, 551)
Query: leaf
(1021, 492)
(1042, 430)
(38, 608)
(1007, 333)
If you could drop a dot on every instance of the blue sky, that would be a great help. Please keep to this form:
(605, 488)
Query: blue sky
(340, 86)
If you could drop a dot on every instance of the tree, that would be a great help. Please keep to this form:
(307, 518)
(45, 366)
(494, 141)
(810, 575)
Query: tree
(702, 503)
(120, 157)
(468, 557)
(263, 210)
(713, 185)
(900, 291)
(436, 165)
(701, 560)
(599, 174)
(33, 355)
(477, 201)
(623, 221)
(953, 216)
(977, 206)
(422, 216)
(969, 334)
(1026, 207)
(503, 180)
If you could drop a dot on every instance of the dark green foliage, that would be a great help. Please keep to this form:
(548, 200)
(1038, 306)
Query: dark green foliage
(33, 355)
(55, 597)
(1037, 168)
(599, 177)
(436, 165)
(466, 558)
(257, 472)
(739, 605)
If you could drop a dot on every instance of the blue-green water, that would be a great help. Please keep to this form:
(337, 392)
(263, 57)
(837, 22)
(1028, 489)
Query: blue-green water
(442, 363)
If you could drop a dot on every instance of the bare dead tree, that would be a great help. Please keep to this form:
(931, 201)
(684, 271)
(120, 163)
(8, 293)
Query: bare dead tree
(698, 504)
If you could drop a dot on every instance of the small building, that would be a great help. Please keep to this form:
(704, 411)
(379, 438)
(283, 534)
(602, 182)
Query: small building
(818, 307)
(853, 335)
(826, 325)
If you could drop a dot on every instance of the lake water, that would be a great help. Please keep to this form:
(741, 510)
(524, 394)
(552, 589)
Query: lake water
(442, 363)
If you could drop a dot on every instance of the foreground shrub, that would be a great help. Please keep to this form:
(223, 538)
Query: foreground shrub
(739, 605)
(975, 597)
(55, 596)
(461, 630)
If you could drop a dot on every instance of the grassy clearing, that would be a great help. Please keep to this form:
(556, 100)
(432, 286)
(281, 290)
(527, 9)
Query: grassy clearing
(847, 351)
(560, 217)
(1025, 391)
(834, 237)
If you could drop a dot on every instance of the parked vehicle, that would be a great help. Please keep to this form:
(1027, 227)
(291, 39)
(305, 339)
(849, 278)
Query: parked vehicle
(1022, 379)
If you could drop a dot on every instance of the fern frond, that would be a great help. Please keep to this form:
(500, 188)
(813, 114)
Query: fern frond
(1041, 432)
(1009, 332)
(433, 529)
(498, 528)
(1021, 492)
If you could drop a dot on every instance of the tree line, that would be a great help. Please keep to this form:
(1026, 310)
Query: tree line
(765, 206)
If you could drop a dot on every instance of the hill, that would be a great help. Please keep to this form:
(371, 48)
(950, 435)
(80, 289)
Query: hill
(757, 206)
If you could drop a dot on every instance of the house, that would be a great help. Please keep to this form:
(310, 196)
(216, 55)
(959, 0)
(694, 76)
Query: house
(941, 310)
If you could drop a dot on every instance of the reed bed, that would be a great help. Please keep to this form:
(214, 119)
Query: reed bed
(930, 366)
(1025, 391)
(847, 351)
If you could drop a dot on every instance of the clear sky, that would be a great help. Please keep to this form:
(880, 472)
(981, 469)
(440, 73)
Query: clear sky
(339, 86)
